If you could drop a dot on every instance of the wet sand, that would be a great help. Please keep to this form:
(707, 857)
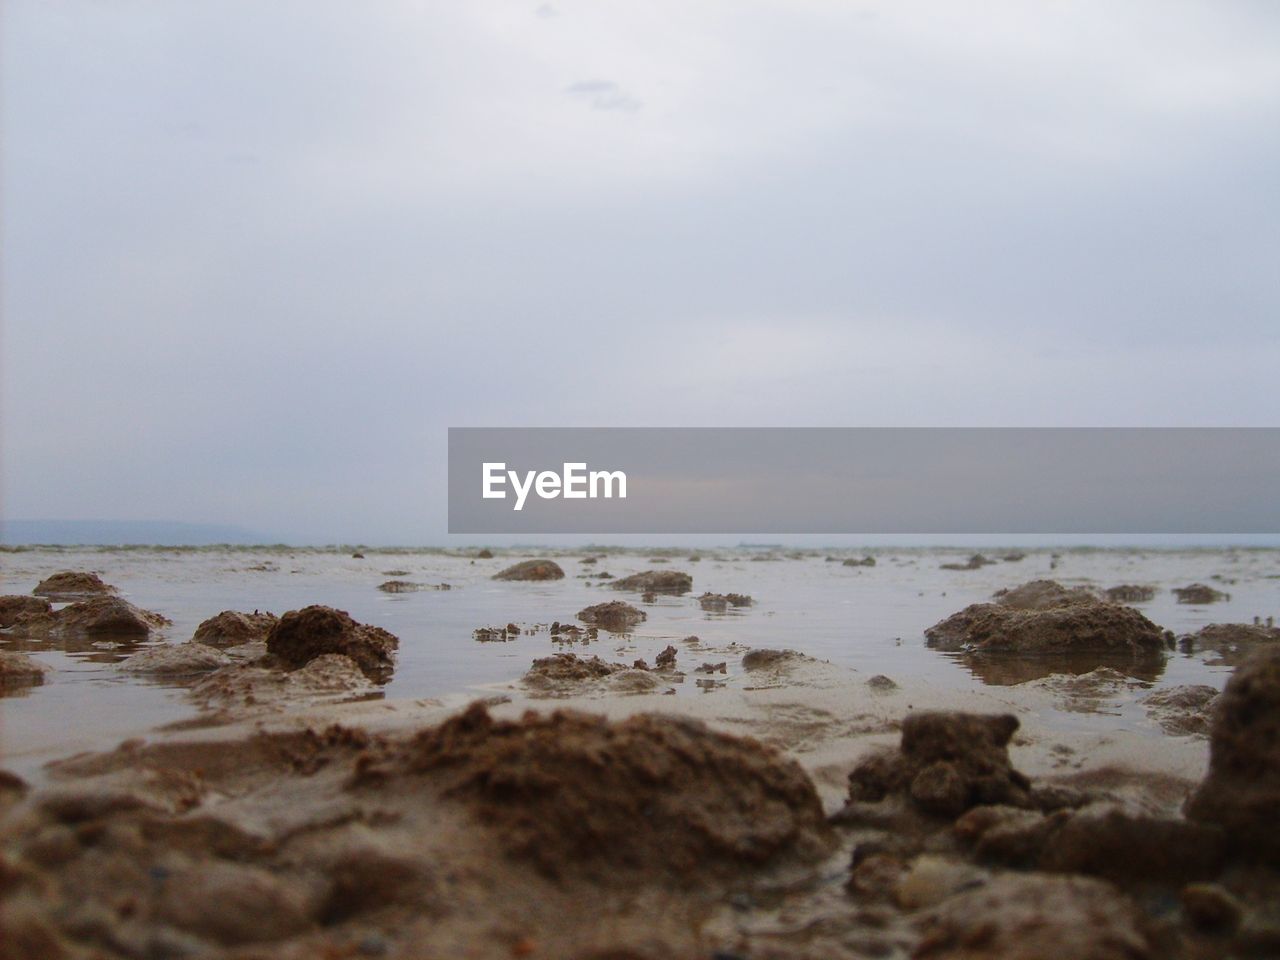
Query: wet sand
(683, 810)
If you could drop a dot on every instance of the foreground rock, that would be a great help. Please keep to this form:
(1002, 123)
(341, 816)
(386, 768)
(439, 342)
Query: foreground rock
(651, 795)
(17, 670)
(1034, 917)
(1241, 793)
(947, 763)
(231, 628)
(15, 609)
(531, 570)
(72, 585)
(101, 618)
(656, 581)
(1046, 618)
(302, 635)
(616, 616)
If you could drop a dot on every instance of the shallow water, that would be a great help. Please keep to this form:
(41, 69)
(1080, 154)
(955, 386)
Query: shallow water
(869, 618)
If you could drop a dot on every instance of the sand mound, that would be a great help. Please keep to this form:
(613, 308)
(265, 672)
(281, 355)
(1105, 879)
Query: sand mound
(15, 609)
(302, 635)
(1242, 791)
(230, 628)
(72, 585)
(531, 570)
(947, 762)
(574, 793)
(656, 581)
(616, 616)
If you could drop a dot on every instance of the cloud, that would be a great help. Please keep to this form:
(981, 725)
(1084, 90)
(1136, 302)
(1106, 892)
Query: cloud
(604, 95)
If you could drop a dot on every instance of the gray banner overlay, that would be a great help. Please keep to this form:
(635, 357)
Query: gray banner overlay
(872, 481)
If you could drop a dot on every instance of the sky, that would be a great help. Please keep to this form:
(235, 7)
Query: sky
(257, 258)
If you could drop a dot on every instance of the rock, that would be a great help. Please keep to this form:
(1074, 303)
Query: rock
(1131, 593)
(1080, 625)
(864, 562)
(656, 581)
(719, 602)
(1182, 711)
(485, 555)
(230, 628)
(531, 570)
(401, 586)
(947, 762)
(72, 585)
(720, 667)
(666, 660)
(931, 879)
(17, 608)
(18, 670)
(232, 904)
(99, 618)
(616, 616)
(1231, 642)
(1241, 792)
(882, 684)
(771, 659)
(1015, 557)
(1043, 595)
(302, 635)
(357, 555)
(1125, 848)
(975, 562)
(176, 659)
(1199, 594)
(1210, 907)
(1034, 917)
(570, 668)
(654, 795)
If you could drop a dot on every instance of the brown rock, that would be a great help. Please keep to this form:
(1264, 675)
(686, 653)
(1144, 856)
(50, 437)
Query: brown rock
(1131, 593)
(1043, 595)
(569, 667)
(1199, 594)
(976, 562)
(864, 562)
(615, 615)
(72, 585)
(531, 570)
(1241, 793)
(230, 628)
(176, 659)
(100, 618)
(666, 660)
(719, 602)
(1230, 643)
(302, 635)
(1182, 711)
(19, 670)
(656, 581)
(17, 608)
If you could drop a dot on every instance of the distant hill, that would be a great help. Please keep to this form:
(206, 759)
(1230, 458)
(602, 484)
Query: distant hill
(169, 533)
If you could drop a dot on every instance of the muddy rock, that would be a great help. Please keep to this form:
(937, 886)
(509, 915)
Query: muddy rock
(720, 602)
(485, 555)
(571, 668)
(19, 670)
(1241, 793)
(1199, 594)
(176, 659)
(1131, 593)
(1210, 907)
(1043, 595)
(976, 562)
(230, 628)
(1183, 711)
(771, 659)
(616, 616)
(17, 608)
(1079, 626)
(252, 904)
(657, 795)
(99, 618)
(863, 562)
(1125, 848)
(656, 581)
(72, 585)
(947, 762)
(666, 660)
(1228, 643)
(1015, 557)
(1035, 916)
(302, 635)
(531, 570)
(400, 586)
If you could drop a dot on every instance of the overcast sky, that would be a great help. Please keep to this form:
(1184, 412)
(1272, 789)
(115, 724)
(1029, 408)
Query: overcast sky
(259, 256)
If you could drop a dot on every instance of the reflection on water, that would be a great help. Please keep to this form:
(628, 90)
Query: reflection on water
(868, 618)
(1004, 670)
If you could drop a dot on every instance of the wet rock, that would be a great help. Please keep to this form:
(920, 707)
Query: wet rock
(498, 634)
(656, 581)
(302, 635)
(864, 562)
(485, 555)
(616, 616)
(1014, 557)
(400, 586)
(1033, 917)
(930, 879)
(531, 570)
(1089, 692)
(771, 659)
(18, 670)
(1241, 792)
(720, 602)
(1131, 593)
(1043, 595)
(720, 667)
(666, 660)
(1083, 625)
(569, 668)
(99, 618)
(1230, 643)
(176, 659)
(72, 585)
(1126, 849)
(1183, 711)
(1210, 907)
(976, 562)
(882, 684)
(357, 555)
(232, 904)
(947, 762)
(256, 687)
(658, 795)
(1199, 594)
(231, 628)
(17, 608)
